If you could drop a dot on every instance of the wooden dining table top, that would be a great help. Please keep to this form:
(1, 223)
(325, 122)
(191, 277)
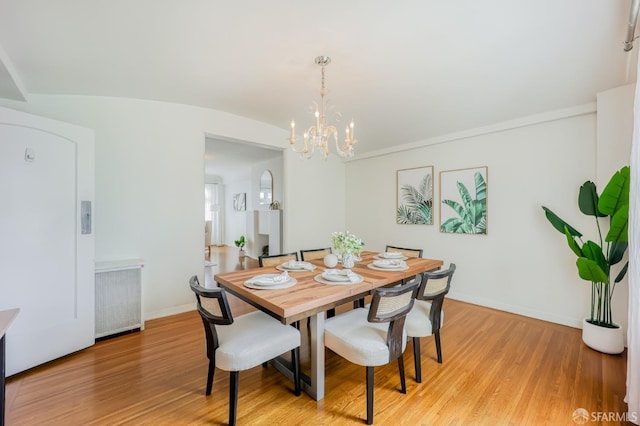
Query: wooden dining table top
(308, 296)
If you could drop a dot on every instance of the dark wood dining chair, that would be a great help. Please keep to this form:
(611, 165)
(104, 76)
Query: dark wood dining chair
(408, 252)
(427, 317)
(241, 343)
(374, 336)
(276, 259)
(314, 254)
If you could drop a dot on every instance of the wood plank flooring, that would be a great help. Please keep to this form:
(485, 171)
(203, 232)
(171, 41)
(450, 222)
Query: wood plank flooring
(498, 369)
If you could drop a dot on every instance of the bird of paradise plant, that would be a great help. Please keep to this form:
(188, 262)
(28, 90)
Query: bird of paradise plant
(595, 259)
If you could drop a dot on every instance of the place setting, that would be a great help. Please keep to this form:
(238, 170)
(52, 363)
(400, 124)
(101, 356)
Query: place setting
(338, 277)
(390, 255)
(296, 266)
(271, 281)
(388, 265)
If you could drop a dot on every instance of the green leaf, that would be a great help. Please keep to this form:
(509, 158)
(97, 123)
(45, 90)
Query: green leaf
(593, 251)
(481, 187)
(588, 200)
(591, 271)
(616, 194)
(464, 194)
(573, 245)
(619, 225)
(616, 251)
(560, 224)
(622, 273)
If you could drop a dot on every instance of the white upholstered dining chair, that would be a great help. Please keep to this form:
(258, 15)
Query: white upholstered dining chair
(426, 317)
(374, 336)
(241, 343)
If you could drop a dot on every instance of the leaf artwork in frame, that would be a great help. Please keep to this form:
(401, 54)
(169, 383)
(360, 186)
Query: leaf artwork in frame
(239, 201)
(463, 194)
(414, 197)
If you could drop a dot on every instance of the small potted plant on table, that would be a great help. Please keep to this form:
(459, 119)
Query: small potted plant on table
(240, 242)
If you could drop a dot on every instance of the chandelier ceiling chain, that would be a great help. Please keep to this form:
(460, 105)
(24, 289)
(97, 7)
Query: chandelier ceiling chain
(318, 136)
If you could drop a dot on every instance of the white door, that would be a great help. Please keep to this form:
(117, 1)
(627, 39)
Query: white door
(46, 247)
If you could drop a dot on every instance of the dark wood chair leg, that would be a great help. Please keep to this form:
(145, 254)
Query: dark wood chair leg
(212, 369)
(403, 382)
(233, 396)
(438, 347)
(416, 359)
(295, 360)
(369, 395)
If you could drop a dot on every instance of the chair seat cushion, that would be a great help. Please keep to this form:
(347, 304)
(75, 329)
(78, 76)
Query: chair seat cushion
(418, 323)
(354, 338)
(252, 339)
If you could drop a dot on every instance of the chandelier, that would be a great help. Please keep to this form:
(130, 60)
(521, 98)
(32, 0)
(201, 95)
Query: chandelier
(319, 135)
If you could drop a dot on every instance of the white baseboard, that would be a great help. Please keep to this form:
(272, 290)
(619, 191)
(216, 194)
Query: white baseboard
(519, 310)
(174, 310)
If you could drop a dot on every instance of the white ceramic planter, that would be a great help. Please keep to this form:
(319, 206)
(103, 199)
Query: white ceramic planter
(603, 339)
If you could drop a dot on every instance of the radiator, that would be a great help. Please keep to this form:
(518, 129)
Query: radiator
(118, 297)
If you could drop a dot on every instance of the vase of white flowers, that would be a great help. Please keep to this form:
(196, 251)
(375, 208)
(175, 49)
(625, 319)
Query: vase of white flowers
(347, 247)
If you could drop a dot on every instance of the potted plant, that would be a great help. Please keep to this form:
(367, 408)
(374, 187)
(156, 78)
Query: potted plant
(347, 247)
(596, 258)
(240, 242)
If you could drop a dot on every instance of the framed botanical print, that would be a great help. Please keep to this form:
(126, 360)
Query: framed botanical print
(463, 194)
(414, 196)
(240, 201)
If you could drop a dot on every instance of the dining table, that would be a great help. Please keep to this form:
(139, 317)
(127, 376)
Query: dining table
(311, 296)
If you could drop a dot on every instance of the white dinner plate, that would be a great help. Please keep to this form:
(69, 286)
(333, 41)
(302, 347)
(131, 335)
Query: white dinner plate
(391, 255)
(287, 284)
(377, 268)
(268, 280)
(389, 263)
(296, 266)
(319, 279)
(379, 256)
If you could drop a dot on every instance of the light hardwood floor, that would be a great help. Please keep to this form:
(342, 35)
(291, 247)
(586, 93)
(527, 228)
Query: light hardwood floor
(498, 369)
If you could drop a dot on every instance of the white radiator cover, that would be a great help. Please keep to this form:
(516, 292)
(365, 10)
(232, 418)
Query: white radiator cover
(118, 297)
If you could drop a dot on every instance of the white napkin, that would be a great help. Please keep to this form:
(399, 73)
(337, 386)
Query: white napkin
(352, 276)
(295, 264)
(391, 255)
(389, 263)
(270, 279)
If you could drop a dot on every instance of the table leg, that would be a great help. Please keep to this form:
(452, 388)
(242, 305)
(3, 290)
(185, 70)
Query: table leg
(316, 341)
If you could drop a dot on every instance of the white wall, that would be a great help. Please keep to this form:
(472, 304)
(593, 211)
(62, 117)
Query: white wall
(149, 183)
(235, 223)
(149, 198)
(314, 201)
(522, 265)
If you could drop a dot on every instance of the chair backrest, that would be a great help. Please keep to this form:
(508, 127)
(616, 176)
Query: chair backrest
(436, 284)
(392, 305)
(406, 251)
(276, 259)
(433, 287)
(213, 308)
(314, 253)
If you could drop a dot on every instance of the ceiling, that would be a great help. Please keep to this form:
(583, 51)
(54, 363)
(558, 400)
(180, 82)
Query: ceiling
(405, 72)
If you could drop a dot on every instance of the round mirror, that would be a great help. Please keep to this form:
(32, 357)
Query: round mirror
(266, 188)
